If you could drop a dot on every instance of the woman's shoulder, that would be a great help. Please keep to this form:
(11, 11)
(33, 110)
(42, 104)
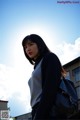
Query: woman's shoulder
(50, 56)
(51, 59)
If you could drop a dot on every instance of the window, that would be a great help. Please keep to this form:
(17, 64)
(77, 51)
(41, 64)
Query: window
(78, 92)
(4, 115)
(76, 73)
(68, 75)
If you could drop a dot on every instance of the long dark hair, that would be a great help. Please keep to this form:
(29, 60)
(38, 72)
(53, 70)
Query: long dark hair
(42, 47)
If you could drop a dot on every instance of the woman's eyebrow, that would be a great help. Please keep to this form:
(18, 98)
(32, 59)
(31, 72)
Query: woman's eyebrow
(29, 42)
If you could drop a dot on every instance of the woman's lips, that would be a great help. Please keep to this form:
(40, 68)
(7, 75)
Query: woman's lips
(30, 53)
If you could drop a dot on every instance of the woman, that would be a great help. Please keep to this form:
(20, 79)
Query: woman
(45, 77)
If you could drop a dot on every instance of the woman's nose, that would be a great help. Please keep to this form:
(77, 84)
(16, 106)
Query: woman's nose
(27, 49)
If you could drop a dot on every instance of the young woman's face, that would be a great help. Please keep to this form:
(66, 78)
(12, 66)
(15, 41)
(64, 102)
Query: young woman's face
(31, 49)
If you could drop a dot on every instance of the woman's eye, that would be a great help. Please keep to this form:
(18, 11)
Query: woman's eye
(31, 44)
(28, 45)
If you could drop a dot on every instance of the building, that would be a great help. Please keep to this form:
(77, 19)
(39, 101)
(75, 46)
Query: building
(73, 73)
(26, 116)
(4, 110)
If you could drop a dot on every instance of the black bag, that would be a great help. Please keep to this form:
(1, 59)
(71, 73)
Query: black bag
(66, 100)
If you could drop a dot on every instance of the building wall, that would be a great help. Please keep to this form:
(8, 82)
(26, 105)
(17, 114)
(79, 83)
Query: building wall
(3, 105)
(4, 112)
(73, 70)
(24, 117)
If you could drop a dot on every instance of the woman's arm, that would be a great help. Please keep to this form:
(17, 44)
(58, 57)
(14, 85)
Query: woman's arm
(51, 73)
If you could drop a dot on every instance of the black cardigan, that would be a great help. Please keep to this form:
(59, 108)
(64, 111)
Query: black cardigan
(51, 74)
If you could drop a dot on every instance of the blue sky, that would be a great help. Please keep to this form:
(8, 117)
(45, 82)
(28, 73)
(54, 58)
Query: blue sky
(57, 23)
(15, 15)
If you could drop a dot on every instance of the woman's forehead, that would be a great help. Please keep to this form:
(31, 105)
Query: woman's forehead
(29, 41)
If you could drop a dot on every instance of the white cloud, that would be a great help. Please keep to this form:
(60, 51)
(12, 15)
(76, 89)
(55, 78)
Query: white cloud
(14, 88)
(67, 51)
(13, 81)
